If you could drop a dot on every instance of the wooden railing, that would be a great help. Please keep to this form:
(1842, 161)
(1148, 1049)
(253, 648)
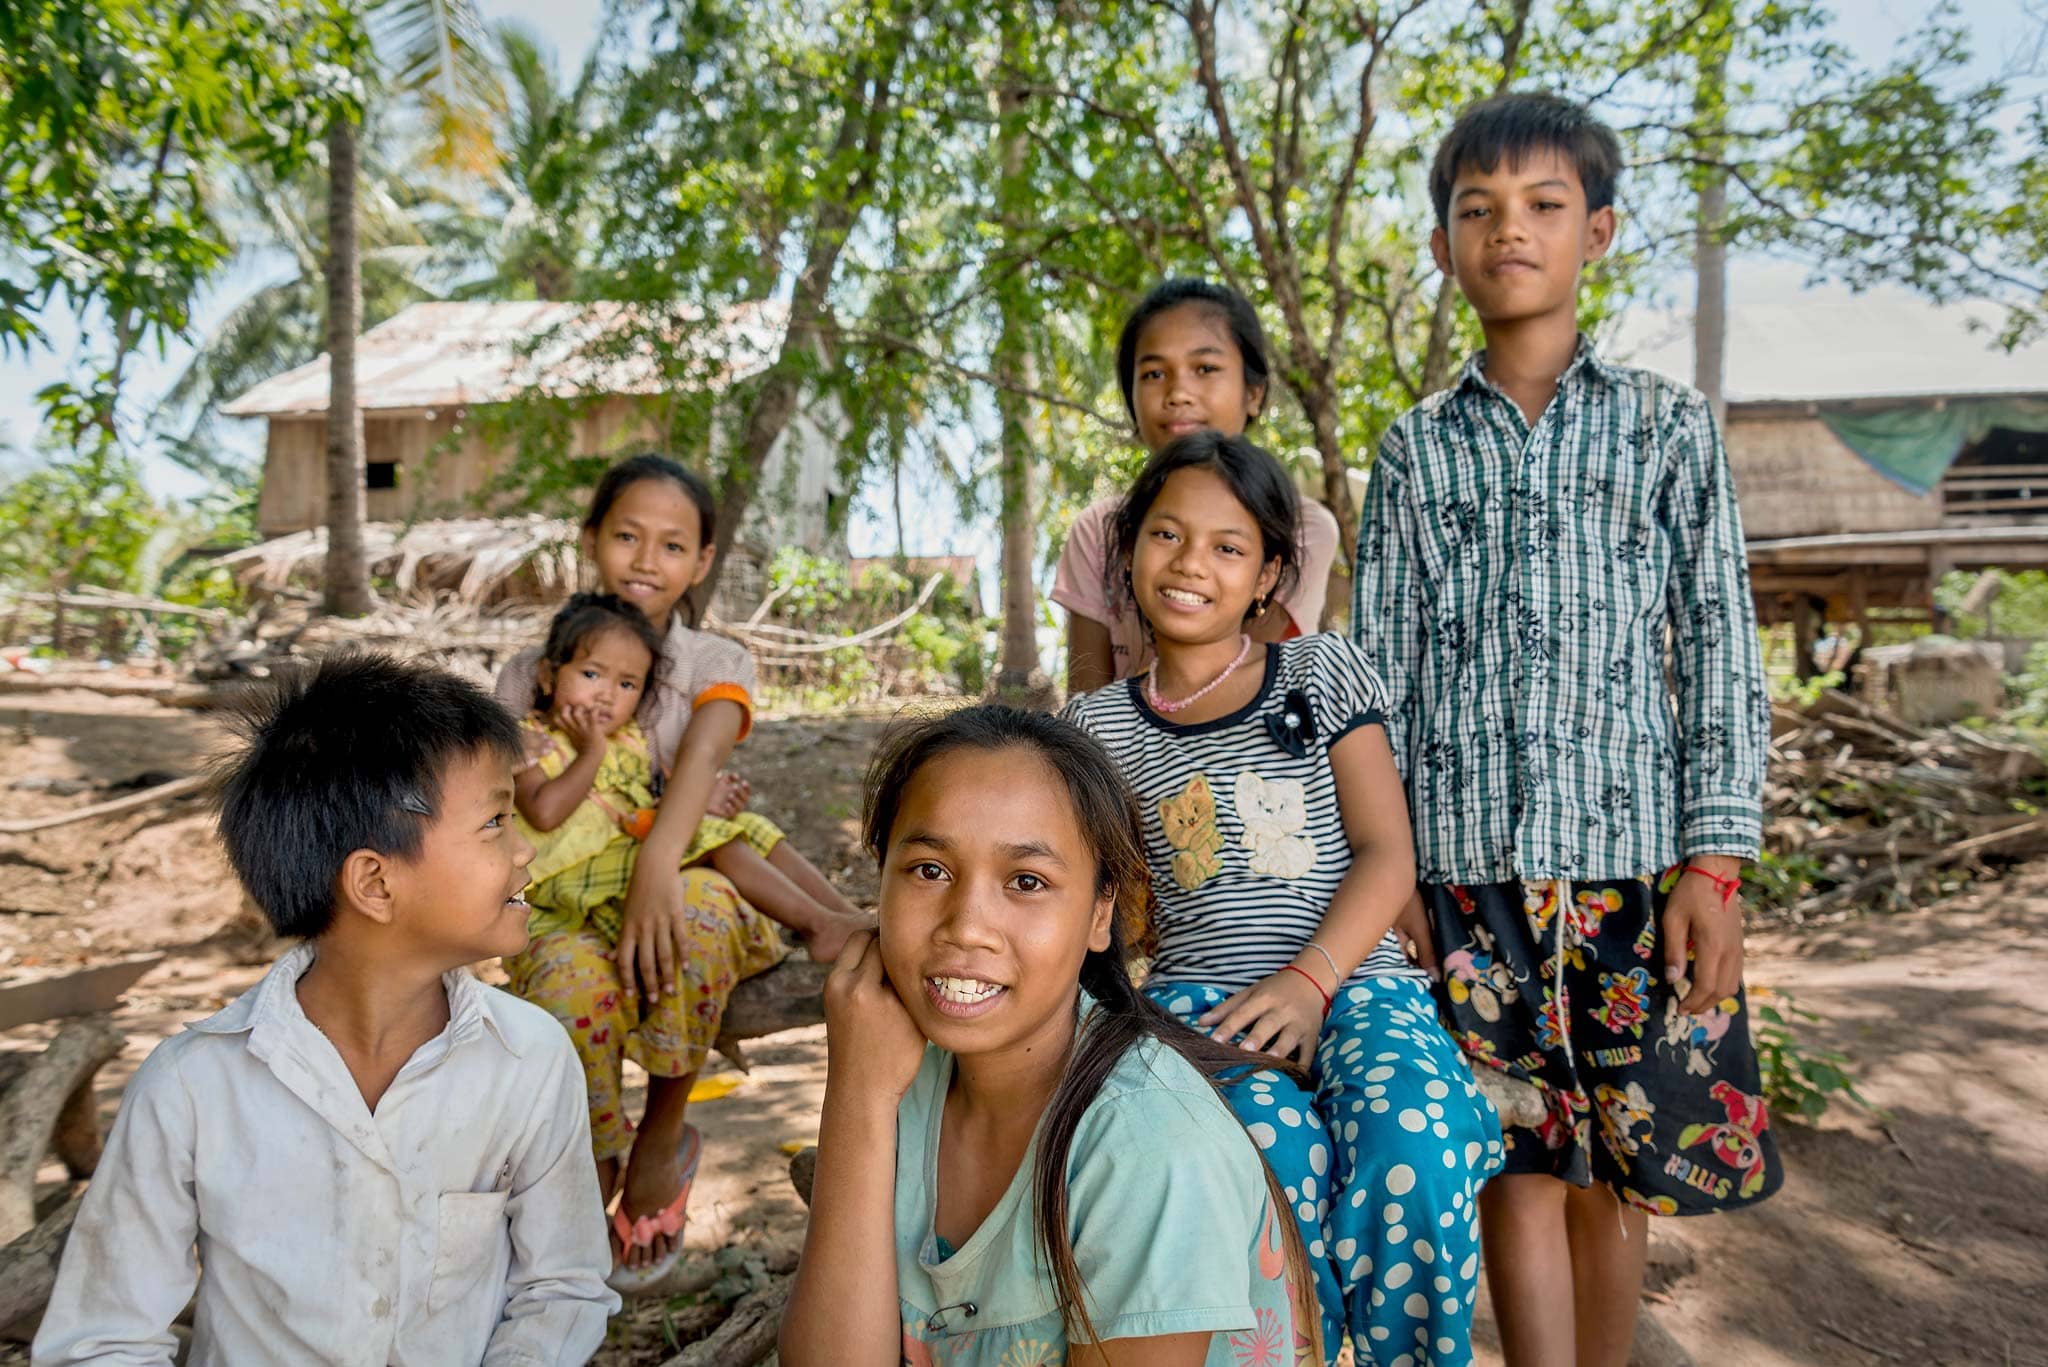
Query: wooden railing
(1995, 491)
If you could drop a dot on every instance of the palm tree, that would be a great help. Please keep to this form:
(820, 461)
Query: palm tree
(434, 53)
(538, 228)
(406, 254)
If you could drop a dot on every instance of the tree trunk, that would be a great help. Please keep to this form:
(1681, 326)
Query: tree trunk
(1436, 360)
(35, 1104)
(894, 423)
(1710, 250)
(1013, 365)
(855, 152)
(348, 578)
(28, 1265)
(1320, 405)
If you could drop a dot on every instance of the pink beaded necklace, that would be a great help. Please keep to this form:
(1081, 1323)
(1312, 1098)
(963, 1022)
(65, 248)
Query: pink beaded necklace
(1167, 708)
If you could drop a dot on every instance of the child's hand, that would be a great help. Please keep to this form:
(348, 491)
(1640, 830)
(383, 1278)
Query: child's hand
(873, 1048)
(729, 795)
(586, 725)
(1696, 915)
(1418, 937)
(1280, 1015)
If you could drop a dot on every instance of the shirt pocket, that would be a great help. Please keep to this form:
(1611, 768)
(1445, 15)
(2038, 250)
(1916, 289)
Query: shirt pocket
(470, 1236)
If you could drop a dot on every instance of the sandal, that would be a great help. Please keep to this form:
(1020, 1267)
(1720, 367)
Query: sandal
(669, 1220)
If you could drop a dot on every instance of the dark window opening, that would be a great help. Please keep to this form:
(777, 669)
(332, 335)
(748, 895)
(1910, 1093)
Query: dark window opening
(2004, 475)
(380, 474)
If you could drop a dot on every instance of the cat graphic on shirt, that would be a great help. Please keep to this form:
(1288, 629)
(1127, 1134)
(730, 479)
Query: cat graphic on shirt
(1189, 821)
(1274, 811)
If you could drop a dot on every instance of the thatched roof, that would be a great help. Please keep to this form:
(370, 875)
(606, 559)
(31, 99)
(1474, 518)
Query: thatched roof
(442, 355)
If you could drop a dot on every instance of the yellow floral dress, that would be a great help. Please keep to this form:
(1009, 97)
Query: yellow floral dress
(581, 872)
(582, 868)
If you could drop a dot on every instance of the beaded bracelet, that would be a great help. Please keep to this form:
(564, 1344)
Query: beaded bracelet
(1290, 968)
(1729, 886)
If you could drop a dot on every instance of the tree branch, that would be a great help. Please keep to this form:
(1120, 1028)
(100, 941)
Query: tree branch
(909, 346)
(1150, 135)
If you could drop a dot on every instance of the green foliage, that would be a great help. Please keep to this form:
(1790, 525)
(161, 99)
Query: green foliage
(76, 522)
(111, 113)
(1782, 878)
(947, 642)
(84, 520)
(2028, 691)
(2019, 612)
(1799, 1082)
(810, 587)
(1804, 693)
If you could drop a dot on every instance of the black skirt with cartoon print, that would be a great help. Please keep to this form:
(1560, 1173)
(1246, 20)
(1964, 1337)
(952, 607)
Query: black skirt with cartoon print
(1664, 1107)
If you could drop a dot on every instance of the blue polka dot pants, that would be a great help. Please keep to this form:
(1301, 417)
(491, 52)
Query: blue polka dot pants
(1383, 1158)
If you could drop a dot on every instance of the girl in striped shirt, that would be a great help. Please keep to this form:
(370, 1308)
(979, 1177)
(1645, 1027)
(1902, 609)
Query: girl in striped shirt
(1281, 854)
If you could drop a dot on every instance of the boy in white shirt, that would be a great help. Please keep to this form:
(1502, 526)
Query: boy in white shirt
(377, 1159)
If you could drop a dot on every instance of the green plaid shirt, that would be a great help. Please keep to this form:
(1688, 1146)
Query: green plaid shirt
(1515, 586)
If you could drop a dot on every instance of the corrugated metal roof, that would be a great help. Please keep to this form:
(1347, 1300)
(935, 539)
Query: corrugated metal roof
(444, 355)
(1788, 340)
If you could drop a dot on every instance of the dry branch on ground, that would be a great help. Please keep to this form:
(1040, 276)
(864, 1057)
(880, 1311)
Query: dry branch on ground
(1861, 804)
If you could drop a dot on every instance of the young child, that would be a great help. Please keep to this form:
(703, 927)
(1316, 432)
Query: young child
(292, 1154)
(1530, 537)
(657, 989)
(1051, 1179)
(586, 795)
(1191, 356)
(1280, 855)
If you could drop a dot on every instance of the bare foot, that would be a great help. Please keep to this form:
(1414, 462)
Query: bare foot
(729, 795)
(824, 941)
(652, 1178)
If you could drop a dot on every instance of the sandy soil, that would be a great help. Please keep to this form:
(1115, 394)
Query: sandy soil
(1920, 1237)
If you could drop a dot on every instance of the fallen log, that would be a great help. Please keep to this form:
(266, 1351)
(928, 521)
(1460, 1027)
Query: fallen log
(748, 1334)
(30, 1109)
(789, 996)
(163, 792)
(1519, 1103)
(28, 1266)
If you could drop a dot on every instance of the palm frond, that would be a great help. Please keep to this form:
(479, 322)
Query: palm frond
(440, 52)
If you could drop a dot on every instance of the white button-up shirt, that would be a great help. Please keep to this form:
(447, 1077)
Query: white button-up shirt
(458, 1224)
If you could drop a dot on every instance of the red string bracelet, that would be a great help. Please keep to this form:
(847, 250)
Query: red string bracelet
(1728, 886)
(1290, 968)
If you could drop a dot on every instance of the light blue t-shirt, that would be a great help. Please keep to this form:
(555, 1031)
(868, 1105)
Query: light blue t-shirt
(1169, 1215)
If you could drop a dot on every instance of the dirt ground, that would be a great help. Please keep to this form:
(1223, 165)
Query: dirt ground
(1917, 1237)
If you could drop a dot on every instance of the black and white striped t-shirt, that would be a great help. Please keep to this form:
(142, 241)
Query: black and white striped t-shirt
(1245, 839)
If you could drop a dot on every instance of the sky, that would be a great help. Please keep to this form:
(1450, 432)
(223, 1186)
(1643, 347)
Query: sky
(1870, 28)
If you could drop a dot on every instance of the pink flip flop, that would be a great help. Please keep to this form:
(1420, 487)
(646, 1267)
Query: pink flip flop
(669, 1220)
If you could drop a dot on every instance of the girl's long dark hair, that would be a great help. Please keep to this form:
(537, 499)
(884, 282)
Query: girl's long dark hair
(653, 465)
(1107, 815)
(583, 616)
(1255, 479)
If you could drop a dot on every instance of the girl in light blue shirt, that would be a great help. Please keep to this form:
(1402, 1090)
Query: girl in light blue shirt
(1029, 1153)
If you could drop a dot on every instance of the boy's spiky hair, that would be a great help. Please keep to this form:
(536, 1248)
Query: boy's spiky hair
(347, 755)
(1509, 127)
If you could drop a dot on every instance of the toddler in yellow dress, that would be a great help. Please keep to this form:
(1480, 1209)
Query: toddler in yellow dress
(586, 798)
